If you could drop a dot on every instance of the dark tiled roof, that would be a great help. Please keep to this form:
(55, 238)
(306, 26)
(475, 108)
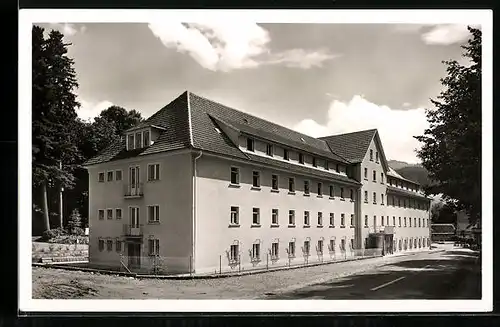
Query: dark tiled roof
(352, 146)
(442, 229)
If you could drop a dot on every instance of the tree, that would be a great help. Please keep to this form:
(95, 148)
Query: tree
(54, 151)
(75, 222)
(451, 149)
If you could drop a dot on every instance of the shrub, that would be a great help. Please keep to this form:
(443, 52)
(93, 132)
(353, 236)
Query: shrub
(78, 231)
(75, 223)
(53, 233)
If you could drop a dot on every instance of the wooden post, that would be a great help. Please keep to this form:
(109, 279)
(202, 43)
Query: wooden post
(190, 266)
(267, 261)
(220, 264)
(239, 263)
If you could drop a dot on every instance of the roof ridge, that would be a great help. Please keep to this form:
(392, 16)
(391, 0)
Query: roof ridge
(341, 134)
(266, 120)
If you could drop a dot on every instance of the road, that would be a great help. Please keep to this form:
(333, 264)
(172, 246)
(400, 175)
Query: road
(451, 274)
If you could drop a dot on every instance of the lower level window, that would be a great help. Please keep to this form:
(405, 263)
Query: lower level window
(154, 246)
(101, 245)
(291, 249)
(234, 253)
(306, 249)
(274, 250)
(109, 245)
(118, 246)
(256, 252)
(320, 247)
(331, 247)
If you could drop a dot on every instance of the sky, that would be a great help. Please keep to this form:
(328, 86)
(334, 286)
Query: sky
(318, 79)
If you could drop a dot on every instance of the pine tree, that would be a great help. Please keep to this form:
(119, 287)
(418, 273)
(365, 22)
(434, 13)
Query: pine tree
(451, 149)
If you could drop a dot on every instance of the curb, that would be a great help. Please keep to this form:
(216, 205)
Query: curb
(91, 270)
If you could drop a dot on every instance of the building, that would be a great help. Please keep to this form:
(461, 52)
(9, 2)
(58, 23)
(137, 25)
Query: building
(443, 232)
(200, 187)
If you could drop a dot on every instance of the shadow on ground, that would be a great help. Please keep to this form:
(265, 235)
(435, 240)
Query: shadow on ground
(455, 276)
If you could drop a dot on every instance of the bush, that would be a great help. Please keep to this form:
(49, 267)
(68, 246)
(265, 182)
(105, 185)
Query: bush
(75, 223)
(70, 239)
(53, 233)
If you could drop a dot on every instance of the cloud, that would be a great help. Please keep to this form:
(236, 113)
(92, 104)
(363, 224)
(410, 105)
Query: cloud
(68, 29)
(443, 34)
(396, 127)
(232, 45)
(89, 110)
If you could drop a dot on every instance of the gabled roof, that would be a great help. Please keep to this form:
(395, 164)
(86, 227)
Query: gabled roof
(353, 146)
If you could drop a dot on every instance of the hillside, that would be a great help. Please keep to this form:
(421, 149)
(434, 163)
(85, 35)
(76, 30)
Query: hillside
(414, 172)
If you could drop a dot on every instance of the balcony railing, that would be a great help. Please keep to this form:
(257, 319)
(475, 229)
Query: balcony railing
(132, 230)
(133, 190)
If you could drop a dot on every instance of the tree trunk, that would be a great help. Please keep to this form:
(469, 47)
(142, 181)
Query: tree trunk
(45, 207)
(60, 201)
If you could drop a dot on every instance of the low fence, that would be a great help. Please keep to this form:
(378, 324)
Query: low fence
(223, 264)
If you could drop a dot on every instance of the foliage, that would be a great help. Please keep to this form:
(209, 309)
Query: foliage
(69, 239)
(443, 213)
(75, 223)
(53, 233)
(451, 150)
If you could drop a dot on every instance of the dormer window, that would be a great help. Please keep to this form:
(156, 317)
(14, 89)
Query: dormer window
(301, 158)
(315, 164)
(250, 145)
(269, 150)
(371, 155)
(285, 154)
(138, 139)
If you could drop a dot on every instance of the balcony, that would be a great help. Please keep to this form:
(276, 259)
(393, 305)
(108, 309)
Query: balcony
(133, 231)
(133, 190)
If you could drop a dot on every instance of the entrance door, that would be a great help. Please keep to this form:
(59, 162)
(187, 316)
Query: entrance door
(134, 255)
(134, 180)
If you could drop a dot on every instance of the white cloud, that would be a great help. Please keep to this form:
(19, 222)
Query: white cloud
(232, 45)
(89, 110)
(68, 29)
(443, 34)
(396, 127)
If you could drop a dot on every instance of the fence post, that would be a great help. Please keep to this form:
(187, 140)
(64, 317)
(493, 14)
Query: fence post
(267, 261)
(220, 264)
(190, 266)
(239, 263)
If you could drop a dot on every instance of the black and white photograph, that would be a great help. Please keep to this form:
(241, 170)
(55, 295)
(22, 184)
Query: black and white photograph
(256, 155)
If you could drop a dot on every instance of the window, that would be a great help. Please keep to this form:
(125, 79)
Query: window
(118, 246)
(250, 145)
(153, 246)
(415, 222)
(376, 156)
(352, 243)
(366, 173)
(291, 217)
(332, 219)
(154, 172)
(352, 220)
(332, 194)
(393, 221)
(256, 179)
(101, 214)
(307, 248)
(291, 249)
(235, 216)
(100, 177)
(138, 140)
(404, 203)
(419, 223)
(301, 158)
(110, 213)
(256, 252)
(256, 216)
(275, 250)
(366, 220)
(371, 155)
(381, 178)
(131, 142)
(154, 214)
(320, 219)
(146, 139)
(399, 222)
(315, 164)
(404, 220)
(382, 221)
(269, 150)
(374, 175)
(337, 168)
(274, 182)
(366, 196)
(382, 198)
(274, 217)
(233, 253)
(399, 202)
(374, 198)
(291, 185)
(306, 218)
(101, 245)
(320, 247)
(286, 155)
(110, 176)
(342, 220)
(332, 246)
(306, 187)
(109, 245)
(327, 165)
(374, 221)
(409, 218)
(387, 220)
(342, 244)
(118, 213)
(235, 175)
(118, 175)
(342, 193)
(352, 194)
(320, 189)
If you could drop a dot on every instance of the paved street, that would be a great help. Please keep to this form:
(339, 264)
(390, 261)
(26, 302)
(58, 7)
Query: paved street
(453, 274)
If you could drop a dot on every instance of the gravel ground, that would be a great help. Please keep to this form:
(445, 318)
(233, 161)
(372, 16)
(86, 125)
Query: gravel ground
(50, 283)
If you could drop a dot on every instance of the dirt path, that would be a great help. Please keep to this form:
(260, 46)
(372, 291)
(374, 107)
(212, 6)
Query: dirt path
(64, 284)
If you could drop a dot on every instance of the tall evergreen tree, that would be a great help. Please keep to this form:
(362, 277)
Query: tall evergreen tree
(55, 152)
(451, 149)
